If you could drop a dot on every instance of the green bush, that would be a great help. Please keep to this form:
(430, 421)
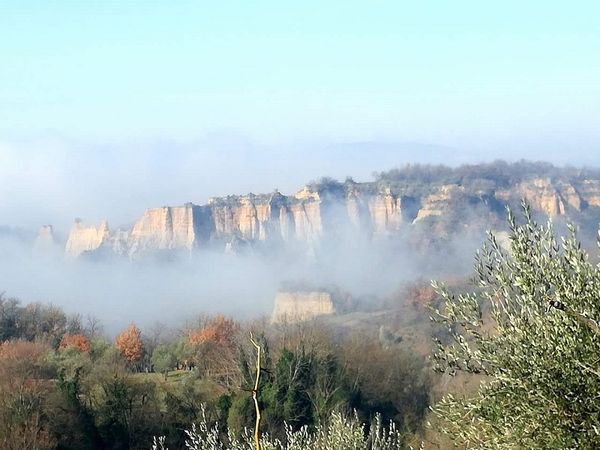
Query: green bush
(537, 349)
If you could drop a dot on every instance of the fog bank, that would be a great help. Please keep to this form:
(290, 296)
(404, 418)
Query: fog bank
(178, 288)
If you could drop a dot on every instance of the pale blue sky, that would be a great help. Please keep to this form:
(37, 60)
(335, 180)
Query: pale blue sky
(453, 73)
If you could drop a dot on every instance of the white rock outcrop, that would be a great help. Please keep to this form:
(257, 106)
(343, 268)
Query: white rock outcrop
(297, 306)
(86, 239)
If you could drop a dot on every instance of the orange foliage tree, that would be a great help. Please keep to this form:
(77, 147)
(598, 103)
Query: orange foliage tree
(78, 341)
(129, 343)
(214, 354)
(219, 330)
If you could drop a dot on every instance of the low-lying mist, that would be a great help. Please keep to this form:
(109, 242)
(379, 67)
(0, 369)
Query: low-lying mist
(177, 287)
(53, 182)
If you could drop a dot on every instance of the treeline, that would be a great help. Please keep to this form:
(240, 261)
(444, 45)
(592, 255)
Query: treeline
(40, 321)
(502, 173)
(63, 385)
(420, 179)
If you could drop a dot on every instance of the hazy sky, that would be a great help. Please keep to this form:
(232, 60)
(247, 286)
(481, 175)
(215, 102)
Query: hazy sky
(114, 105)
(450, 72)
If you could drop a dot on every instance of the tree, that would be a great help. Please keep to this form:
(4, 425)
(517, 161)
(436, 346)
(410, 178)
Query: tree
(293, 376)
(329, 389)
(9, 318)
(302, 388)
(220, 330)
(77, 341)
(33, 321)
(531, 331)
(23, 390)
(163, 359)
(126, 409)
(74, 325)
(390, 380)
(93, 327)
(214, 350)
(129, 343)
(39, 321)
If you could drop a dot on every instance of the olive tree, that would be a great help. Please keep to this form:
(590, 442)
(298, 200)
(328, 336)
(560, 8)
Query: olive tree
(163, 359)
(530, 330)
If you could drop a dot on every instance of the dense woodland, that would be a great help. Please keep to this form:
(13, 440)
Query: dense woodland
(65, 385)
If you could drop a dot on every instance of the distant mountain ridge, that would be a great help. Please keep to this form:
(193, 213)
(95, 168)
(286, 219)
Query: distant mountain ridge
(438, 200)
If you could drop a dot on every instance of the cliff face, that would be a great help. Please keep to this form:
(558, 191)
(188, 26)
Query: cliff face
(557, 198)
(89, 240)
(165, 228)
(383, 213)
(296, 306)
(546, 197)
(85, 239)
(306, 217)
(322, 211)
(590, 193)
(440, 202)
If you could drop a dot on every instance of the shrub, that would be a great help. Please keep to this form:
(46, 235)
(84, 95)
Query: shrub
(340, 433)
(538, 347)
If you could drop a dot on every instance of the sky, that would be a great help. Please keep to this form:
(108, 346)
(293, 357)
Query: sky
(108, 107)
(441, 71)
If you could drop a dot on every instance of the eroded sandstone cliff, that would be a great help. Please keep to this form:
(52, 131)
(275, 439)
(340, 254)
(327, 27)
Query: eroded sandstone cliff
(326, 210)
(85, 239)
(165, 228)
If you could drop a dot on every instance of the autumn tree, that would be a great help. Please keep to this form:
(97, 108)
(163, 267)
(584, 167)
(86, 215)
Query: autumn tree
(129, 343)
(214, 350)
(220, 330)
(77, 341)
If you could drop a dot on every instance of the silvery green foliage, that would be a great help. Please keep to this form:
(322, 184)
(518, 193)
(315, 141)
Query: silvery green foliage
(341, 433)
(159, 443)
(538, 348)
